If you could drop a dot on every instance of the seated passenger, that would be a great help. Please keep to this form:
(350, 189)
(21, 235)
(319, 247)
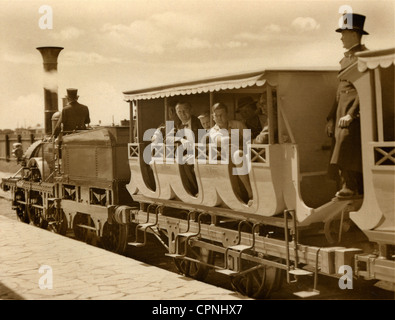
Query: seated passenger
(191, 122)
(220, 134)
(253, 119)
(205, 121)
(160, 133)
(74, 116)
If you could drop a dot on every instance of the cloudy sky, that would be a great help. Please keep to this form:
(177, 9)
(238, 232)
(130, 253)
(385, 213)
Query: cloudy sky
(115, 46)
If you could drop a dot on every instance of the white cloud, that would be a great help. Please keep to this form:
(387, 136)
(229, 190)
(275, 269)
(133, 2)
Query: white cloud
(251, 36)
(68, 33)
(19, 58)
(275, 28)
(158, 32)
(302, 24)
(87, 58)
(193, 43)
(235, 44)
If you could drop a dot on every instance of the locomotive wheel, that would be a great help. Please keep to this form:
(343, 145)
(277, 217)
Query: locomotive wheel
(59, 225)
(115, 237)
(35, 216)
(21, 214)
(80, 233)
(258, 283)
(194, 269)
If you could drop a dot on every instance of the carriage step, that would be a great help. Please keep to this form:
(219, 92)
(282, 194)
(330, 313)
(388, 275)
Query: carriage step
(300, 272)
(136, 244)
(175, 255)
(86, 227)
(227, 272)
(144, 226)
(187, 234)
(239, 247)
(307, 293)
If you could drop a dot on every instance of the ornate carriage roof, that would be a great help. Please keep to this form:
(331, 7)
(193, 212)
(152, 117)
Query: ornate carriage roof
(237, 81)
(375, 58)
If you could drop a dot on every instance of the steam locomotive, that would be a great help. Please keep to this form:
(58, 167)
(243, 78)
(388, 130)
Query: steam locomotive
(113, 183)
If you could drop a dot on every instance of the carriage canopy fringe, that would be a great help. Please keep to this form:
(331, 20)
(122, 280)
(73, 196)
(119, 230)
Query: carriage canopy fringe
(374, 59)
(202, 86)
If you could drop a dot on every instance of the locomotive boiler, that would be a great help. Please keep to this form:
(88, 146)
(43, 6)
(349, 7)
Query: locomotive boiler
(115, 185)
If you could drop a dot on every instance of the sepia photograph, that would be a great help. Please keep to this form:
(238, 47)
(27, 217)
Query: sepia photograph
(197, 155)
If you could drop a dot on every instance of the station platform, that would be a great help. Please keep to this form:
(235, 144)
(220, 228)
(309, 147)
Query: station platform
(73, 270)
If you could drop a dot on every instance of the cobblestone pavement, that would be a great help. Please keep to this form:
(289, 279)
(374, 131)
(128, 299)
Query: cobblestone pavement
(81, 271)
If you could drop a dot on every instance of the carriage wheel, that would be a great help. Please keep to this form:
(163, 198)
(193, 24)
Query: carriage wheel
(259, 283)
(194, 269)
(59, 225)
(115, 237)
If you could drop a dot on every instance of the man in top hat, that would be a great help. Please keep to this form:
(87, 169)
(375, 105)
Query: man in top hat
(74, 116)
(343, 120)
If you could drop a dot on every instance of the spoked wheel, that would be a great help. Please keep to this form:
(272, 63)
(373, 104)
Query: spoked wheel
(35, 213)
(258, 283)
(21, 214)
(59, 224)
(193, 269)
(81, 233)
(115, 237)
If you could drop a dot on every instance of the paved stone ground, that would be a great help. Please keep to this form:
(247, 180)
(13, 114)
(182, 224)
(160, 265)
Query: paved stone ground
(81, 271)
(3, 194)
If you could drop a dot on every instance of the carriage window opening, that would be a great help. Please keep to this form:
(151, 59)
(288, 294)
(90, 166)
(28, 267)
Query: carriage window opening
(387, 94)
(268, 108)
(273, 117)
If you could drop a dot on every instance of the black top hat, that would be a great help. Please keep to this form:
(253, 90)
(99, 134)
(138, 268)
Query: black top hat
(244, 102)
(72, 94)
(353, 21)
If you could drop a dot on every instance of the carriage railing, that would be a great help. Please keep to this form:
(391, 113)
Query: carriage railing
(203, 153)
(383, 154)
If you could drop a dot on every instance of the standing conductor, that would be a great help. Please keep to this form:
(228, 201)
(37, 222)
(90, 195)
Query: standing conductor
(343, 120)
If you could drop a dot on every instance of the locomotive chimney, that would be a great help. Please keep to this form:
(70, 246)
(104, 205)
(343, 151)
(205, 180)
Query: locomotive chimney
(50, 62)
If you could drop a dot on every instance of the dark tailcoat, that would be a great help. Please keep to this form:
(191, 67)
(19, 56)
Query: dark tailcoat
(74, 116)
(196, 125)
(347, 154)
